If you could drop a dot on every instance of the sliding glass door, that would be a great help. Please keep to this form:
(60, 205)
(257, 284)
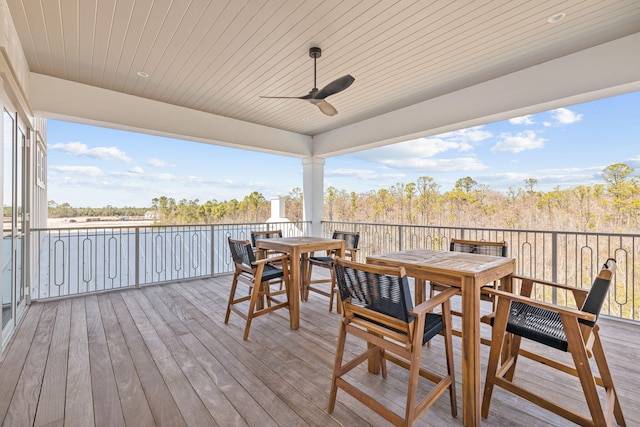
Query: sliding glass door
(14, 143)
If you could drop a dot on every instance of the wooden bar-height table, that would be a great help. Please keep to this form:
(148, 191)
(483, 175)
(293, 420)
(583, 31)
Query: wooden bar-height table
(469, 272)
(298, 249)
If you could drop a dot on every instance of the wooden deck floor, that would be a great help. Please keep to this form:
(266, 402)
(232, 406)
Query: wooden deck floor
(162, 356)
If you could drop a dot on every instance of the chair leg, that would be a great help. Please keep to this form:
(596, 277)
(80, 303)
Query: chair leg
(448, 348)
(412, 390)
(234, 285)
(255, 295)
(266, 294)
(337, 367)
(497, 339)
(332, 292)
(306, 282)
(607, 379)
(583, 368)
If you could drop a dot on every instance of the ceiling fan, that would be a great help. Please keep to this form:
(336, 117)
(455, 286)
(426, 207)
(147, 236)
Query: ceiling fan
(318, 97)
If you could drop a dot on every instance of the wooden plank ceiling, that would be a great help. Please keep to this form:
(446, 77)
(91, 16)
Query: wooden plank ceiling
(218, 56)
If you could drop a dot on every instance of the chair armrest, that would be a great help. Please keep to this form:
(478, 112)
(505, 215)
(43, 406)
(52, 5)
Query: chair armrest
(268, 260)
(553, 284)
(259, 253)
(434, 302)
(574, 312)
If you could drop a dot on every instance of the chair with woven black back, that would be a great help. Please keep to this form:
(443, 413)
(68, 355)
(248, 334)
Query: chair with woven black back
(473, 247)
(258, 275)
(560, 327)
(377, 308)
(269, 234)
(351, 240)
(264, 253)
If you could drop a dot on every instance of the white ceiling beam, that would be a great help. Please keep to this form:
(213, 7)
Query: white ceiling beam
(65, 100)
(606, 70)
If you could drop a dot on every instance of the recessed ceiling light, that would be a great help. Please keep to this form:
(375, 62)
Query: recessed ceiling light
(556, 18)
(143, 74)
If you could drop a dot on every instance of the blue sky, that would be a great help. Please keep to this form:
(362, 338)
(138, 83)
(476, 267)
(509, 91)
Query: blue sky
(93, 166)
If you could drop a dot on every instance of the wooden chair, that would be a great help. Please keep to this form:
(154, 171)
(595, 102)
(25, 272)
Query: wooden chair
(377, 308)
(258, 275)
(473, 247)
(351, 247)
(269, 234)
(563, 328)
(264, 253)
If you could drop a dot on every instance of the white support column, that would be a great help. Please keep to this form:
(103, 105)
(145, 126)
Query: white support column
(313, 191)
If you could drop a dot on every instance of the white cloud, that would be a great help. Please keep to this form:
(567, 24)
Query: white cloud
(163, 177)
(91, 171)
(633, 162)
(522, 120)
(564, 116)
(136, 170)
(408, 164)
(423, 147)
(348, 172)
(363, 174)
(473, 134)
(527, 140)
(437, 165)
(80, 149)
(547, 178)
(157, 162)
(396, 155)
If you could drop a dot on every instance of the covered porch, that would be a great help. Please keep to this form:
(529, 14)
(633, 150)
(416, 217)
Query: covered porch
(161, 355)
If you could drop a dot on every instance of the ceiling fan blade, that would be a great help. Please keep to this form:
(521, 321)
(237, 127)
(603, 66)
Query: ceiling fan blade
(287, 97)
(326, 108)
(335, 86)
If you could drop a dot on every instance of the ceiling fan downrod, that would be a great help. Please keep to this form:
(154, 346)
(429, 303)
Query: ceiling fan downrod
(315, 53)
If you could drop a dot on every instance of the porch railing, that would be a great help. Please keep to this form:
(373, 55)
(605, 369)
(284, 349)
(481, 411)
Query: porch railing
(573, 258)
(73, 261)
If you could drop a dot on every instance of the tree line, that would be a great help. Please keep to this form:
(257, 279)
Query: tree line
(611, 206)
(65, 210)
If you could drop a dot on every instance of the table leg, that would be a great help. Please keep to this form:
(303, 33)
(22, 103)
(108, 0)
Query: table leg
(294, 290)
(304, 266)
(470, 353)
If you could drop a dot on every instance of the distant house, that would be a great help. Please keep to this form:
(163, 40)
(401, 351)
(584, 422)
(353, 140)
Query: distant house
(153, 215)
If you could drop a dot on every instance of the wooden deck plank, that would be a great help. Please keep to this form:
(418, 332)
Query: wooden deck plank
(310, 382)
(252, 412)
(280, 401)
(190, 405)
(15, 357)
(163, 407)
(206, 349)
(135, 407)
(219, 407)
(25, 400)
(54, 385)
(79, 403)
(192, 369)
(106, 401)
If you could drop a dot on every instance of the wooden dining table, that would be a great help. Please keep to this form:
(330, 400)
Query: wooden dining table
(469, 272)
(298, 249)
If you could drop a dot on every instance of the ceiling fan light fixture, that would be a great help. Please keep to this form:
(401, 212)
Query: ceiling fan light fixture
(556, 17)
